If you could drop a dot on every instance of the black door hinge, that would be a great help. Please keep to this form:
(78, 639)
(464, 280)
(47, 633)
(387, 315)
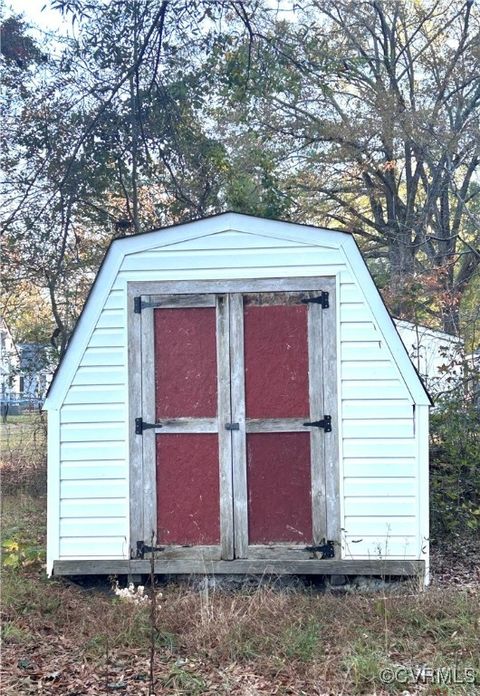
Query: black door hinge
(140, 426)
(326, 550)
(143, 548)
(326, 424)
(322, 299)
(137, 305)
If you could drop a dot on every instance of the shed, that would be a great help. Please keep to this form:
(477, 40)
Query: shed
(236, 399)
(438, 356)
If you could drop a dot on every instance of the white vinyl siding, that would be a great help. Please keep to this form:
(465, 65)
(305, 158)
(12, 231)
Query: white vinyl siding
(379, 472)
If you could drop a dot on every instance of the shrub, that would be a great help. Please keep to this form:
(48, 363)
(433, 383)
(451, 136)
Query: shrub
(455, 464)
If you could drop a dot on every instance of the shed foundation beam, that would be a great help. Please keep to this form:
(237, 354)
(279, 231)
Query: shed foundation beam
(242, 566)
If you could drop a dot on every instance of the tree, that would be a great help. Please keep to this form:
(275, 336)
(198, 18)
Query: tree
(42, 240)
(109, 140)
(362, 115)
(379, 102)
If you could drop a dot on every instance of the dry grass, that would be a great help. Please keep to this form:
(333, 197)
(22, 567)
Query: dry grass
(23, 453)
(60, 638)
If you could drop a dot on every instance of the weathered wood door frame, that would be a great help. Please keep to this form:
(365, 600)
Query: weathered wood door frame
(144, 514)
(226, 295)
(321, 340)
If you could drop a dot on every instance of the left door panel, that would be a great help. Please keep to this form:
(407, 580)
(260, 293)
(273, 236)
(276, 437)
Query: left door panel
(185, 395)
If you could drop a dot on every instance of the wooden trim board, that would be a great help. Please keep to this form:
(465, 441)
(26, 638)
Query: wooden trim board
(317, 436)
(191, 287)
(331, 441)
(135, 453)
(239, 446)
(148, 438)
(187, 425)
(242, 566)
(223, 417)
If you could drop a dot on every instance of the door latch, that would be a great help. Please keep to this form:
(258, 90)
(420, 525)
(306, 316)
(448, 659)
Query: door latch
(232, 426)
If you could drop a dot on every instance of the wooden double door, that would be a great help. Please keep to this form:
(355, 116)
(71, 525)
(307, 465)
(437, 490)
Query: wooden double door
(237, 424)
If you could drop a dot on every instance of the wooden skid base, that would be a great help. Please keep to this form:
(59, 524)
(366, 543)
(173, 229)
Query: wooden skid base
(244, 567)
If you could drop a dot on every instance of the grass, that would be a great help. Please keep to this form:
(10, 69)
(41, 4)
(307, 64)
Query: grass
(63, 638)
(22, 452)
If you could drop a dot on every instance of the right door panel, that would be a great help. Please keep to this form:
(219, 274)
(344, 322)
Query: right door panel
(282, 507)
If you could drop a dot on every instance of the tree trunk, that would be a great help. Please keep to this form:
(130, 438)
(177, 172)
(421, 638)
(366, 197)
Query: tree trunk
(402, 265)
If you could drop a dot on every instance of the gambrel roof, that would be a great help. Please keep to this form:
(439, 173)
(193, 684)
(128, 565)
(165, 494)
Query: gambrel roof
(270, 231)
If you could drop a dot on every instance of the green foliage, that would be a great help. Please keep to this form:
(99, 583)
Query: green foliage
(23, 553)
(302, 641)
(470, 314)
(17, 48)
(455, 465)
(22, 541)
(364, 664)
(182, 679)
(254, 187)
(14, 634)
(356, 131)
(19, 553)
(154, 113)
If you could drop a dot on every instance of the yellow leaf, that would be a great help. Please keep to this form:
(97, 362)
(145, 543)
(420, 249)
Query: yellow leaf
(10, 546)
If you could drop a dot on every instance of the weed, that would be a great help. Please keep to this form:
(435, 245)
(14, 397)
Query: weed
(95, 646)
(23, 454)
(364, 664)
(184, 681)
(166, 640)
(18, 554)
(301, 641)
(15, 634)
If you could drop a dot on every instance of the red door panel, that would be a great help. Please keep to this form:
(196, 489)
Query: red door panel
(187, 464)
(188, 495)
(279, 488)
(277, 387)
(276, 361)
(185, 363)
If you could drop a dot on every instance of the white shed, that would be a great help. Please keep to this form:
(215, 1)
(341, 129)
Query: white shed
(236, 399)
(438, 356)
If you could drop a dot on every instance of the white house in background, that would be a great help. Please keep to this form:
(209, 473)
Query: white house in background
(236, 387)
(36, 367)
(26, 370)
(10, 382)
(437, 356)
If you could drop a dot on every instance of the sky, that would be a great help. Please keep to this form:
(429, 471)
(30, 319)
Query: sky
(38, 12)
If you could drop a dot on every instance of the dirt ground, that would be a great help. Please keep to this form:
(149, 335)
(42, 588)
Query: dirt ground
(79, 638)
